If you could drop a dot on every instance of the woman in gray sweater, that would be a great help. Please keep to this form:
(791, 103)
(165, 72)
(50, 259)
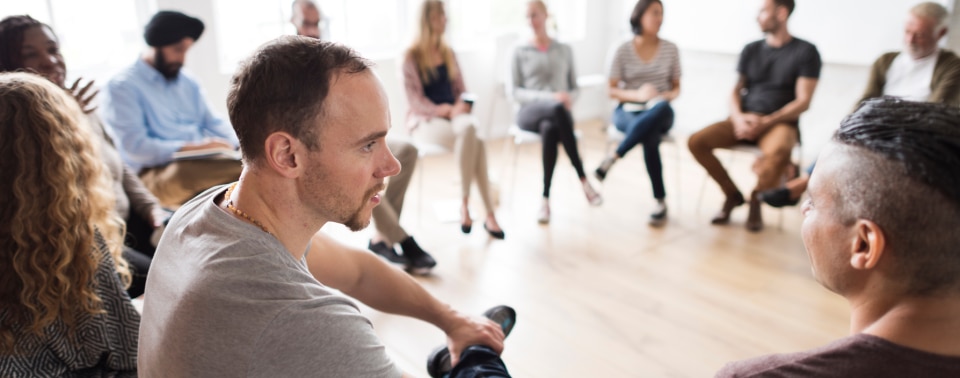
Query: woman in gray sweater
(545, 85)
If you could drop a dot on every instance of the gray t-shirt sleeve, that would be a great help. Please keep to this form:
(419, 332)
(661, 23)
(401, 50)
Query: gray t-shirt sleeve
(321, 339)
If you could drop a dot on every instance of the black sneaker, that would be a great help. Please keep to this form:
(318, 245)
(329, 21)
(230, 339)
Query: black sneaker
(604, 167)
(779, 197)
(387, 252)
(503, 315)
(439, 363)
(418, 261)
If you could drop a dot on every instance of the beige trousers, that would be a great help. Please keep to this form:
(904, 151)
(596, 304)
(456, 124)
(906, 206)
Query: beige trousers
(386, 216)
(179, 181)
(460, 134)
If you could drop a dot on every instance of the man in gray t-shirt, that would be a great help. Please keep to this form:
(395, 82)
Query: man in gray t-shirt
(235, 289)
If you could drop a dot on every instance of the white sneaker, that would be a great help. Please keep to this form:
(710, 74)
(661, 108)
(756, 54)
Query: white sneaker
(543, 217)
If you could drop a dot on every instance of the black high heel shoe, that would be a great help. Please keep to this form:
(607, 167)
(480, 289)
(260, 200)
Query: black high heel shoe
(495, 234)
(465, 228)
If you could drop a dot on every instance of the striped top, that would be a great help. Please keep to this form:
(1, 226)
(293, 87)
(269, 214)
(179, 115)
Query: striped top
(632, 72)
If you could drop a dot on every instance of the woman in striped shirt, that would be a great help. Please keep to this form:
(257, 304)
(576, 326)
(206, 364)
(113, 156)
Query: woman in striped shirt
(545, 84)
(644, 78)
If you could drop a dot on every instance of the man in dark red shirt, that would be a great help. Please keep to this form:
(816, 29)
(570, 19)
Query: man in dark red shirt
(880, 229)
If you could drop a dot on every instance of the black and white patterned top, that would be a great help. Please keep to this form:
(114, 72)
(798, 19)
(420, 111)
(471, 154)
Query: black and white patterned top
(106, 344)
(632, 72)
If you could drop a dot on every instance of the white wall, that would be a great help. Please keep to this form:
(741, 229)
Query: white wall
(848, 32)
(845, 32)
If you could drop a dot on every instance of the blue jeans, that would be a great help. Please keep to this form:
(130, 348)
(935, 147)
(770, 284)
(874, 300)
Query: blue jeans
(646, 127)
(479, 361)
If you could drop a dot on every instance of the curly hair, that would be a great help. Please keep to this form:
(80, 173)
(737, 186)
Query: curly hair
(11, 40)
(55, 202)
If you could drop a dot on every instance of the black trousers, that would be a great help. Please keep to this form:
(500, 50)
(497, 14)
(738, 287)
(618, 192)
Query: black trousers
(555, 124)
(138, 252)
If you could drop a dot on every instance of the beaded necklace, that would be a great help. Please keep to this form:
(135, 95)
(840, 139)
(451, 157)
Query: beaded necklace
(238, 212)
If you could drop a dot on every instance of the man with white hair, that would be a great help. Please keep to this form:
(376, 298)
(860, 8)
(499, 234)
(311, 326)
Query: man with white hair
(925, 73)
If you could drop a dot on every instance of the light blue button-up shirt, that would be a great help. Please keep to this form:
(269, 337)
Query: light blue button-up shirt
(154, 117)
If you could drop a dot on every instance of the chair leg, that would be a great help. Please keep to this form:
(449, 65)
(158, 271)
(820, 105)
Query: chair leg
(421, 173)
(513, 178)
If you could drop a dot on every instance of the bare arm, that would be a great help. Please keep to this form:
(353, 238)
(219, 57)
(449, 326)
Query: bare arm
(673, 93)
(792, 110)
(736, 102)
(362, 275)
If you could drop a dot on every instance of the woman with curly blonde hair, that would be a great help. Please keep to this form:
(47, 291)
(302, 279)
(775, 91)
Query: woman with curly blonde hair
(440, 115)
(63, 308)
(32, 46)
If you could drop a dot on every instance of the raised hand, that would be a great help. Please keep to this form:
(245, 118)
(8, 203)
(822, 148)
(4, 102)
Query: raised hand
(80, 93)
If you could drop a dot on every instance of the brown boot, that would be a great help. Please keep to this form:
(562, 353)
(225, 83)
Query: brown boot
(723, 217)
(755, 218)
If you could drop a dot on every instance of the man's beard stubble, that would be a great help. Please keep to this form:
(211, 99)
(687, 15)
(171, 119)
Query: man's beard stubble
(169, 71)
(356, 222)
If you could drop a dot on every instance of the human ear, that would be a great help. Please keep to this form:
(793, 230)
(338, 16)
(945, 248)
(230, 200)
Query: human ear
(868, 245)
(281, 154)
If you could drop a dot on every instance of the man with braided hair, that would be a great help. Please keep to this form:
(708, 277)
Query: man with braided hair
(880, 229)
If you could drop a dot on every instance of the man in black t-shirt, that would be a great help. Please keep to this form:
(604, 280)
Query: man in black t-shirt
(777, 78)
(880, 229)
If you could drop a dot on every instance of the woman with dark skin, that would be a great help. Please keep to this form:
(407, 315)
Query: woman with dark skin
(29, 45)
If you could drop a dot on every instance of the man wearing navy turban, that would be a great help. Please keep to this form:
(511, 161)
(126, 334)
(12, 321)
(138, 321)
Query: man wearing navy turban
(161, 118)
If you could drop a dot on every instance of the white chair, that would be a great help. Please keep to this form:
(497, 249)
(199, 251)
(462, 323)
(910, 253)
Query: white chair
(796, 155)
(615, 136)
(425, 150)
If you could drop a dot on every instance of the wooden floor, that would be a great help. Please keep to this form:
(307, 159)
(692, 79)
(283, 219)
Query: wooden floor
(598, 292)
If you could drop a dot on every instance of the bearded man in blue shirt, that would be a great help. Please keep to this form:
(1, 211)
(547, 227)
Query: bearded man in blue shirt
(158, 111)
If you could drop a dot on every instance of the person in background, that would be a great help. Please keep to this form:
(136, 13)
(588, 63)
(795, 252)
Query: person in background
(644, 79)
(439, 114)
(880, 228)
(244, 284)
(922, 72)
(544, 82)
(63, 309)
(158, 110)
(778, 75)
(386, 217)
(29, 45)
